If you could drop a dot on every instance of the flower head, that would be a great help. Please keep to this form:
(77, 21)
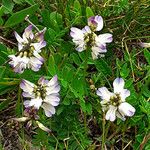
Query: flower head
(45, 94)
(114, 104)
(29, 46)
(88, 38)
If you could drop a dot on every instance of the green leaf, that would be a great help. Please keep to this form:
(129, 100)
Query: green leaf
(8, 4)
(76, 59)
(2, 71)
(124, 72)
(4, 104)
(147, 55)
(31, 2)
(20, 16)
(51, 66)
(77, 6)
(88, 108)
(56, 20)
(66, 101)
(89, 12)
(103, 67)
(1, 21)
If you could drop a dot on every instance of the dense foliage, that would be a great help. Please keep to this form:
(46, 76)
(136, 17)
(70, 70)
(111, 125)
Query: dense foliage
(79, 123)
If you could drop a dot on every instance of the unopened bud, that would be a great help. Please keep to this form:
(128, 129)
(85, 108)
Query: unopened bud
(41, 126)
(22, 119)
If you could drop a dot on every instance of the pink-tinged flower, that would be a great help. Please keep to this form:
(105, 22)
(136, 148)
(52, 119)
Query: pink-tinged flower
(114, 104)
(45, 94)
(146, 45)
(29, 46)
(95, 23)
(87, 38)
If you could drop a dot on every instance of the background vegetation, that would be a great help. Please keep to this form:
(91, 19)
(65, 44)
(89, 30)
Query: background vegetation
(77, 124)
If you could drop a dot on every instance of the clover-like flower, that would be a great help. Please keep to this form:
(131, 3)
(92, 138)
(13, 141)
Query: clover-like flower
(114, 104)
(87, 38)
(45, 94)
(29, 47)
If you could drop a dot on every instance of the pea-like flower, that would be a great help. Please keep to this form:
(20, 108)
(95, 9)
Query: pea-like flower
(95, 23)
(29, 47)
(87, 38)
(45, 94)
(114, 104)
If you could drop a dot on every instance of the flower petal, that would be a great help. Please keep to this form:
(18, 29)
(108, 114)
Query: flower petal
(36, 54)
(35, 64)
(27, 86)
(42, 81)
(124, 94)
(36, 102)
(104, 93)
(52, 99)
(96, 21)
(96, 51)
(126, 109)
(53, 81)
(52, 89)
(118, 85)
(111, 113)
(49, 109)
(77, 33)
(105, 38)
(86, 30)
(26, 103)
(29, 95)
(120, 115)
(39, 46)
(19, 39)
(28, 34)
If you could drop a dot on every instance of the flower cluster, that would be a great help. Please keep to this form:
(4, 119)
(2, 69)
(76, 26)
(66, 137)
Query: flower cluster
(88, 38)
(29, 47)
(45, 94)
(114, 103)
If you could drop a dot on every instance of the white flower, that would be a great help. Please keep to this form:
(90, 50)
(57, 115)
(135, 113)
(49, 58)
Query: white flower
(87, 38)
(45, 94)
(29, 47)
(114, 103)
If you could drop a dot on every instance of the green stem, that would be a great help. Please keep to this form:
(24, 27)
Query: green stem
(103, 134)
(85, 68)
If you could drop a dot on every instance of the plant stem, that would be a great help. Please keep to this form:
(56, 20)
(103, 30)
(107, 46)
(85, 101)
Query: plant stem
(103, 134)
(85, 68)
(27, 19)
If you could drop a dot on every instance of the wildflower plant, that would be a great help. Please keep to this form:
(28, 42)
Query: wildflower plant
(56, 98)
